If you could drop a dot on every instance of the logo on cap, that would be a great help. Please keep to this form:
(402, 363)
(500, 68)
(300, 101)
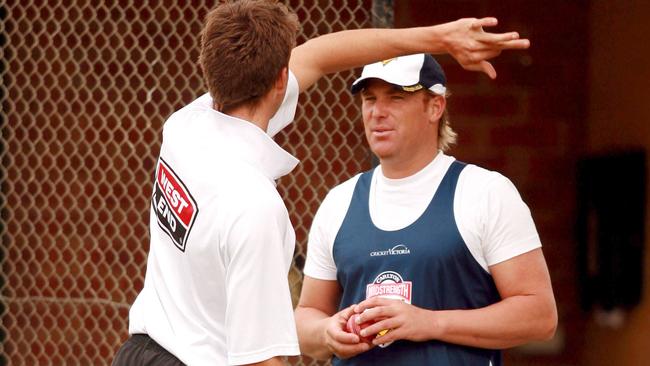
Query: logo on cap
(385, 62)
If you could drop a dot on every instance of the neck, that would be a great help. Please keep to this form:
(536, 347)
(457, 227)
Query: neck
(253, 116)
(401, 169)
(259, 115)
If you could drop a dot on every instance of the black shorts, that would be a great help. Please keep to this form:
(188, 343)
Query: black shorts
(141, 350)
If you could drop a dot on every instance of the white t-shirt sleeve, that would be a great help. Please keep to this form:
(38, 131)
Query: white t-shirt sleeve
(327, 222)
(509, 229)
(285, 115)
(493, 220)
(259, 313)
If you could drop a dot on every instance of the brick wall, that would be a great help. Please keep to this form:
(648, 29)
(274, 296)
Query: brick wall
(618, 116)
(529, 125)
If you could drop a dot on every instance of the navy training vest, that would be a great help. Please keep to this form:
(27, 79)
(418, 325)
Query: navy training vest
(426, 263)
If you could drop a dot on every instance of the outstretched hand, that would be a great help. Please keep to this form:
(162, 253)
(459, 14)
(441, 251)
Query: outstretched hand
(471, 46)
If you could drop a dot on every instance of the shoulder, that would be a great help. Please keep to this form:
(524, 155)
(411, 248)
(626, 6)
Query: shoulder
(480, 176)
(340, 196)
(247, 188)
(475, 182)
(332, 210)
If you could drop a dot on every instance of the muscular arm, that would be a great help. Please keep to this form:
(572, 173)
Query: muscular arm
(526, 312)
(320, 327)
(464, 39)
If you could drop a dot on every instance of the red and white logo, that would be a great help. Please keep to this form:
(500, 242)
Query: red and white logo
(390, 285)
(173, 204)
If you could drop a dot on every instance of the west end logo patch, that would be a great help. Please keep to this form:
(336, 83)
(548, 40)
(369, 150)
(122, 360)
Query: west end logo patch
(173, 204)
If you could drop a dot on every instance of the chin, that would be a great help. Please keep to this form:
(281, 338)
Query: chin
(381, 153)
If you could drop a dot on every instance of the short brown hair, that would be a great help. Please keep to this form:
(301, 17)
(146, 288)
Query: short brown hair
(244, 46)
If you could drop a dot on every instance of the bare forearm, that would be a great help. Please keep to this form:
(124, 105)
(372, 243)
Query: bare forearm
(309, 323)
(463, 39)
(354, 48)
(511, 322)
(348, 49)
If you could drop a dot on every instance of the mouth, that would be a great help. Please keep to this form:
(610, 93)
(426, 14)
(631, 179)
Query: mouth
(381, 131)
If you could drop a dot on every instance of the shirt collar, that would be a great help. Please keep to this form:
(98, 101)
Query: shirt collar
(434, 165)
(250, 143)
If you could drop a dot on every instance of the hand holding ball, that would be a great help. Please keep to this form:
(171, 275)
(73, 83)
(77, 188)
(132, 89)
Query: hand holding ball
(353, 327)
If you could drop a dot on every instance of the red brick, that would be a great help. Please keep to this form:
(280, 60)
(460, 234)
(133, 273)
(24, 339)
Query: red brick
(528, 135)
(484, 105)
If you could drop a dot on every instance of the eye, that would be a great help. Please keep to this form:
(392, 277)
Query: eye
(397, 97)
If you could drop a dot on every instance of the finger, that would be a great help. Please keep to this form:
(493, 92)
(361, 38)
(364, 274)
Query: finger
(365, 304)
(516, 44)
(379, 327)
(347, 312)
(342, 337)
(482, 66)
(377, 313)
(347, 351)
(389, 336)
(485, 22)
(487, 68)
(499, 37)
(374, 302)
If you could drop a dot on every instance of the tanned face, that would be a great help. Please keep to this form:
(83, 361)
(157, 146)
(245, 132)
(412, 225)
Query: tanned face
(401, 127)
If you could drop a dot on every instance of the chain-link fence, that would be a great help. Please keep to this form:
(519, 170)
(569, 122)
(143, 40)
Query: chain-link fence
(86, 88)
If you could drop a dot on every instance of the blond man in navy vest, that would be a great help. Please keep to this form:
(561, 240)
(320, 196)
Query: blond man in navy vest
(439, 261)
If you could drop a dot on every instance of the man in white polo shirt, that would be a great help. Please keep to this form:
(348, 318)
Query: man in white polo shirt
(216, 289)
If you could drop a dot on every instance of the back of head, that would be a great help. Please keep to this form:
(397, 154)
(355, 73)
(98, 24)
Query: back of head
(244, 46)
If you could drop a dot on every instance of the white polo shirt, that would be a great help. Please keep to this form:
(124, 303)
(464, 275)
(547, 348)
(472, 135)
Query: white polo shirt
(216, 289)
(492, 219)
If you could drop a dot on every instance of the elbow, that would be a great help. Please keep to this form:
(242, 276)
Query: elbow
(316, 353)
(322, 356)
(551, 328)
(309, 339)
(548, 324)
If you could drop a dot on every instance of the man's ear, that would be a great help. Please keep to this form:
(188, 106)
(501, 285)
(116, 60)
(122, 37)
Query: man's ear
(436, 105)
(282, 80)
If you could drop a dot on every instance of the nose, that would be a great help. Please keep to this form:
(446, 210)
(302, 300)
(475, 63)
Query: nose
(379, 109)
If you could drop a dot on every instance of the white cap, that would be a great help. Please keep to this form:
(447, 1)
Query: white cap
(410, 73)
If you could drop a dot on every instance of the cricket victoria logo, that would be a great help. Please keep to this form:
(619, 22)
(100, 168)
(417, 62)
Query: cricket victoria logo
(173, 204)
(399, 249)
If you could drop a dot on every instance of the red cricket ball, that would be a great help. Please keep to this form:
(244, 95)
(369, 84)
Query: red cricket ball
(353, 327)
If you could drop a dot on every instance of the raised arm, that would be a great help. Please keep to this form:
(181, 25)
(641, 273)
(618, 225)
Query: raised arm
(464, 39)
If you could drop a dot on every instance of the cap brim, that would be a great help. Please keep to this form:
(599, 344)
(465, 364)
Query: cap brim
(359, 84)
